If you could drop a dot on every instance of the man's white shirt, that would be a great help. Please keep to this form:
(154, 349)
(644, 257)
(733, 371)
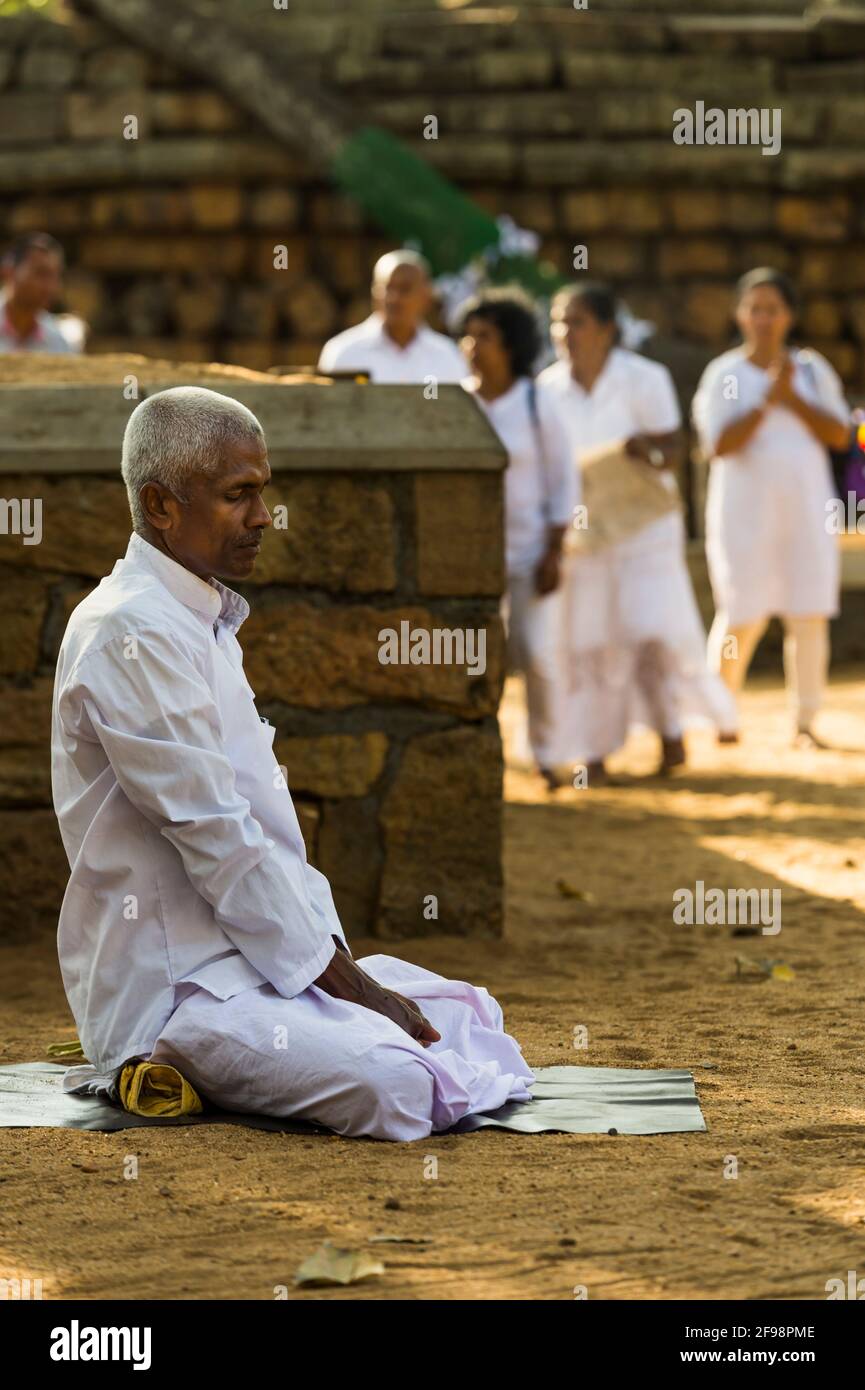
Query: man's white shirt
(187, 860)
(368, 347)
(51, 333)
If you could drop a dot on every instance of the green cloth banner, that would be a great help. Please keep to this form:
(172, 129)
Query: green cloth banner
(417, 205)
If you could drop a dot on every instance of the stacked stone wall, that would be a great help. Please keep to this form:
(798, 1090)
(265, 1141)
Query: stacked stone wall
(395, 768)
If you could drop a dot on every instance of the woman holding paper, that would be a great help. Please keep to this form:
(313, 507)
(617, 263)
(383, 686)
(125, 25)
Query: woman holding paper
(635, 644)
(766, 415)
(500, 339)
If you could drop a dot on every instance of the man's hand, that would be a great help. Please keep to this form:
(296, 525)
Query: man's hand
(548, 572)
(344, 979)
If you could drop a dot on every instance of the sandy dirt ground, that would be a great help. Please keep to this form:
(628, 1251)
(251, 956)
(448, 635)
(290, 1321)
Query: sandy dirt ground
(225, 1212)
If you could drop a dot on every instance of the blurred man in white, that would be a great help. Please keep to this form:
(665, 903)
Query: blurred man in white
(193, 931)
(32, 283)
(395, 345)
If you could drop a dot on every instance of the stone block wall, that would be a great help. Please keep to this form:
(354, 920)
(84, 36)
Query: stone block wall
(560, 118)
(395, 769)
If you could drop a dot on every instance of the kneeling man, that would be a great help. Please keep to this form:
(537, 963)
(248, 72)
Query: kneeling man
(193, 931)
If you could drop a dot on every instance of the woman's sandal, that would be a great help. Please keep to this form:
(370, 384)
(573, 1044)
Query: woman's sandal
(804, 739)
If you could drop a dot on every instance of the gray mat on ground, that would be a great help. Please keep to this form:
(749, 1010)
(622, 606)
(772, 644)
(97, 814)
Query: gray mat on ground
(573, 1100)
(594, 1100)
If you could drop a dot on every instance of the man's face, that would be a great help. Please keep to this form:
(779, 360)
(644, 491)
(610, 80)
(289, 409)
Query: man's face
(36, 283)
(577, 335)
(218, 531)
(403, 297)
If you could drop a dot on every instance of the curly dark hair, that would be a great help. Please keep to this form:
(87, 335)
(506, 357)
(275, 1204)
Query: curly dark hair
(511, 311)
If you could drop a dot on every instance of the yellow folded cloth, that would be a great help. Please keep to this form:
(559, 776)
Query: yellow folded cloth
(154, 1088)
(70, 1050)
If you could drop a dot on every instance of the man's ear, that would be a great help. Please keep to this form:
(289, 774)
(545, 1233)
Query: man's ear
(158, 506)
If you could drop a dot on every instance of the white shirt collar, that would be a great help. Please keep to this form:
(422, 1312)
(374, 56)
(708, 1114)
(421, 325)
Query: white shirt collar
(216, 601)
(607, 375)
(39, 332)
(380, 333)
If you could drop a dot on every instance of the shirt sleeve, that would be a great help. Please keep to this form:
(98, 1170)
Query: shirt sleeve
(561, 474)
(160, 728)
(656, 405)
(711, 412)
(830, 391)
(329, 355)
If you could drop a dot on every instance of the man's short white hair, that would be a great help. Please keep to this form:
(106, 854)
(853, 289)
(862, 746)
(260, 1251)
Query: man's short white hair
(178, 433)
(387, 264)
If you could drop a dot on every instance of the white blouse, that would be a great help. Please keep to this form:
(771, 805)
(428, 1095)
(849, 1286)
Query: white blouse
(540, 479)
(632, 395)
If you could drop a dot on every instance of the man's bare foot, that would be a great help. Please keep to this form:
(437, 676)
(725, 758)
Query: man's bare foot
(807, 739)
(672, 754)
(728, 736)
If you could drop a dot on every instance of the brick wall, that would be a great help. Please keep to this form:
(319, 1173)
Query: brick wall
(561, 119)
(390, 765)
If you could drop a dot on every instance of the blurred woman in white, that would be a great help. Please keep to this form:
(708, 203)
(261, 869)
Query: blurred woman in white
(635, 643)
(500, 339)
(766, 414)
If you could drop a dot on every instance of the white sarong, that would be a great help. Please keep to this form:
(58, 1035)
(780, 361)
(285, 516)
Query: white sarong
(635, 646)
(317, 1058)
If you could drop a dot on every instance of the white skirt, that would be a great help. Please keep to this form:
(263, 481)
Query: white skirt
(635, 646)
(769, 549)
